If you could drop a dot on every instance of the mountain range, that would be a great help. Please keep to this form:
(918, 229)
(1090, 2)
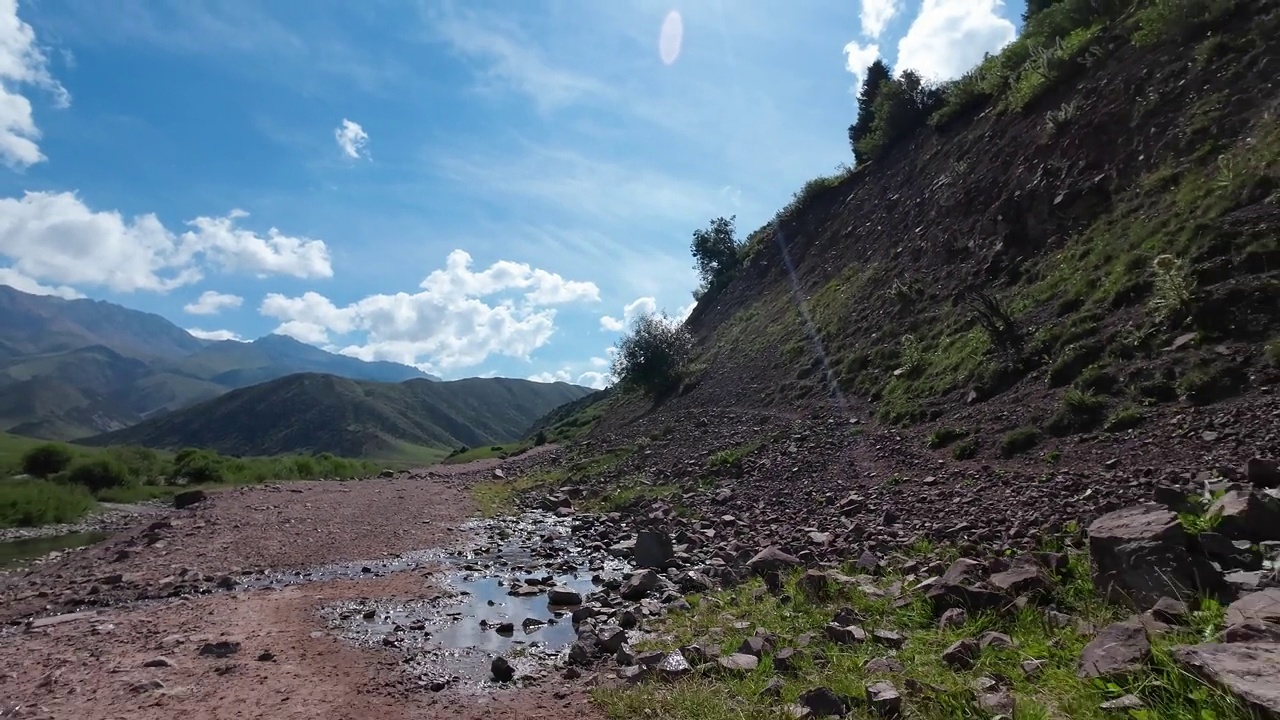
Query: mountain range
(75, 368)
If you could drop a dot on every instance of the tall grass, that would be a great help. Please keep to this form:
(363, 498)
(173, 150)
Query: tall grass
(29, 502)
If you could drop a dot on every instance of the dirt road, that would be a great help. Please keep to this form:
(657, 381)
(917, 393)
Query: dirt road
(136, 653)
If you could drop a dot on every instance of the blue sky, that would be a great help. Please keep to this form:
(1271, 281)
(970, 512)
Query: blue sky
(478, 188)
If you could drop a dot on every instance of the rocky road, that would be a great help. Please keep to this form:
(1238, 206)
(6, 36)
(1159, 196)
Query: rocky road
(206, 612)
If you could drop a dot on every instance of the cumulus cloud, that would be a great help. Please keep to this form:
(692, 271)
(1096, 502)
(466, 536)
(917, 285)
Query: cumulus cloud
(351, 139)
(214, 334)
(631, 311)
(212, 303)
(18, 281)
(857, 57)
(949, 37)
(450, 324)
(56, 238)
(591, 378)
(876, 15)
(22, 62)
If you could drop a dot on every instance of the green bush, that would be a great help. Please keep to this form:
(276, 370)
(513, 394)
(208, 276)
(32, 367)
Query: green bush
(1080, 411)
(1124, 418)
(27, 503)
(654, 356)
(943, 437)
(100, 473)
(1019, 441)
(47, 460)
(966, 450)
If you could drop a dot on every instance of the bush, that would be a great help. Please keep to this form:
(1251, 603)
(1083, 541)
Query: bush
(1019, 441)
(100, 474)
(540, 438)
(26, 503)
(1080, 411)
(877, 75)
(943, 437)
(654, 356)
(47, 460)
(966, 450)
(717, 252)
(200, 467)
(1125, 418)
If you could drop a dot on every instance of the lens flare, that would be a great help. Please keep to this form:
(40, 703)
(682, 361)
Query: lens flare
(671, 37)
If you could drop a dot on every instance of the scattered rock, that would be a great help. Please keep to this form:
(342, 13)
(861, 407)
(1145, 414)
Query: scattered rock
(995, 639)
(220, 649)
(187, 498)
(1117, 649)
(1248, 514)
(1246, 670)
(1124, 702)
(1139, 555)
(1032, 668)
(502, 670)
(953, 618)
(1259, 607)
(639, 585)
(266, 656)
(653, 549)
(772, 559)
(850, 635)
(1169, 610)
(1000, 703)
(1025, 576)
(739, 663)
(823, 702)
(156, 662)
(962, 654)
(883, 665)
(884, 699)
(563, 596)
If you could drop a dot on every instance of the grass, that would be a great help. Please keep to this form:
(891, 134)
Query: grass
(464, 455)
(731, 457)
(1125, 418)
(498, 496)
(1018, 441)
(1054, 692)
(1080, 411)
(942, 437)
(30, 502)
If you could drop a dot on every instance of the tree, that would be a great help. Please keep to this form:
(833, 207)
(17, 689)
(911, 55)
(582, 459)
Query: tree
(100, 474)
(1035, 7)
(653, 356)
(902, 106)
(877, 74)
(716, 250)
(46, 460)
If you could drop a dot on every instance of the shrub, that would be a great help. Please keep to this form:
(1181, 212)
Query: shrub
(1162, 19)
(46, 460)
(1019, 441)
(26, 503)
(1124, 418)
(716, 252)
(653, 357)
(1272, 351)
(201, 467)
(1080, 411)
(966, 450)
(943, 437)
(878, 73)
(100, 474)
(1171, 293)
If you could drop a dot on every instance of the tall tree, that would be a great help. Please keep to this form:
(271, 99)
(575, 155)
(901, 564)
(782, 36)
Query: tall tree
(715, 249)
(877, 74)
(1035, 7)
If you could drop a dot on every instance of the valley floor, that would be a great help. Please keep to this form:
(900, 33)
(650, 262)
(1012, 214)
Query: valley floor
(124, 649)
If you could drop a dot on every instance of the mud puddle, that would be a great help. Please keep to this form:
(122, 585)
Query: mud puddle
(494, 598)
(16, 553)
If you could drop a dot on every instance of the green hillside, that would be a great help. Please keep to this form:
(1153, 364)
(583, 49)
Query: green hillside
(324, 413)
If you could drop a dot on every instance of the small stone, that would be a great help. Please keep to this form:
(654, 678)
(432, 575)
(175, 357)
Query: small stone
(851, 635)
(884, 699)
(1032, 668)
(1125, 702)
(1169, 610)
(823, 702)
(953, 618)
(739, 663)
(221, 649)
(962, 653)
(883, 665)
(785, 660)
(995, 639)
(266, 656)
(1118, 649)
(502, 670)
(158, 662)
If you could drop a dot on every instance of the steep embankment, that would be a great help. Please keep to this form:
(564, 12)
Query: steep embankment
(1123, 225)
(323, 413)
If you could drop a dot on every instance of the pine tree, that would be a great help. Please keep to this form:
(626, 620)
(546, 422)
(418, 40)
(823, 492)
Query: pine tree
(877, 74)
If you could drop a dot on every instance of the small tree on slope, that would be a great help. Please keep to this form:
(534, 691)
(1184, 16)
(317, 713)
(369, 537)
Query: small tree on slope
(653, 356)
(715, 250)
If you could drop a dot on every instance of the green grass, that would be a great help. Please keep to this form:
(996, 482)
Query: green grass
(629, 491)
(732, 456)
(487, 452)
(30, 502)
(1019, 441)
(498, 496)
(942, 437)
(1055, 692)
(1125, 418)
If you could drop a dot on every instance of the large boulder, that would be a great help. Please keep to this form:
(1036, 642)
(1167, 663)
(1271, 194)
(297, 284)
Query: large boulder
(1118, 649)
(1140, 555)
(1246, 670)
(1248, 514)
(653, 549)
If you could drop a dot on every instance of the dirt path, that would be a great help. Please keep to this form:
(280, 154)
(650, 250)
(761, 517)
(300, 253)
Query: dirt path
(142, 659)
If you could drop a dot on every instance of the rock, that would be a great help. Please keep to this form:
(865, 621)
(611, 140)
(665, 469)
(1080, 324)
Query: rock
(1262, 472)
(1169, 610)
(158, 662)
(147, 686)
(756, 646)
(1259, 607)
(502, 670)
(1248, 514)
(266, 656)
(1032, 668)
(815, 584)
(1229, 554)
(773, 688)
(739, 663)
(1025, 576)
(882, 665)
(889, 638)
(561, 595)
(653, 549)
(610, 638)
(1251, 632)
(187, 498)
(960, 586)
(639, 585)
(1246, 670)
(869, 562)
(784, 660)
(1139, 555)
(962, 654)
(851, 635)
(1124, 702)
(505, 628)
(220, 649)
(884, 699)
(1117, 649)
(1000, 703)
(673, 665)
(953, 618)
(772, 559)
(823, 702)
(991, 638)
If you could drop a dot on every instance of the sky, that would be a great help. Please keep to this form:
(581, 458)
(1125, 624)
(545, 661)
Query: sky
(476, 188)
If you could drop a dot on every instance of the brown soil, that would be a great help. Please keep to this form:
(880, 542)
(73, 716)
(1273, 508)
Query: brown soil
(96, 666)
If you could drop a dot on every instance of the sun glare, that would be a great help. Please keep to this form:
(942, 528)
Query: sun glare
(670, 38)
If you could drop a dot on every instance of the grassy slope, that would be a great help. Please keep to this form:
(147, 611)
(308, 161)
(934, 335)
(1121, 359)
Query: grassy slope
(353, 419)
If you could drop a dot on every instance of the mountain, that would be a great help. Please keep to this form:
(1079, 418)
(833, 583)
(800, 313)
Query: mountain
(312, 412)
(81, 367)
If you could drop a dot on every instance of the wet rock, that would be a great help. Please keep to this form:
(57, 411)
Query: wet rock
(639, 585)
(772, 559)
(505, 628)
(187, 498)
(529, 624)
(738, 663)
(1139, 555)
(502, 670)
(1117, 649)
(611, 638)
(561, 595)
(962, 654)
(884, 699)
(823, 702)
(1246, 670)
(1262, 472)
(653, 549)
(220, 649)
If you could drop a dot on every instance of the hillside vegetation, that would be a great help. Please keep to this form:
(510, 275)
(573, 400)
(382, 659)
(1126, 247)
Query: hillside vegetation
(1080, 231)
(315, 413)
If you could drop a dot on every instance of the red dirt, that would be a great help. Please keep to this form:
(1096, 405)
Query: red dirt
(95, 667)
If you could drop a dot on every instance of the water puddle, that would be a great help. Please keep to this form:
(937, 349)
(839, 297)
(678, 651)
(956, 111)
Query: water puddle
(495, 599)
(16, 553)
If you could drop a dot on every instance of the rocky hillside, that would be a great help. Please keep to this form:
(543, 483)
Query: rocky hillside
(314, 413)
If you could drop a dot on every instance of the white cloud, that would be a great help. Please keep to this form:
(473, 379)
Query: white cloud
(212, 303)
(857, 58)
(551, 377)
(876, 15)
(18, 281)
(56, 238)
(590, 378)
(22, 62)
(449, 323)
(351, 139)
(949, 37)
(214, 334)
(632, 310)
(595, 380)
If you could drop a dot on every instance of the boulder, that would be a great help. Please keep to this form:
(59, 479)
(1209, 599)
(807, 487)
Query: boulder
(187, 498)
(561, 595)
(653, 549)
(1262, 472)
(1248, 514)
(1246, 670)
(639, 585)
(772, 559)
(1139, 555)
(1117, 649)
(502, 670)
(1259, 607)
